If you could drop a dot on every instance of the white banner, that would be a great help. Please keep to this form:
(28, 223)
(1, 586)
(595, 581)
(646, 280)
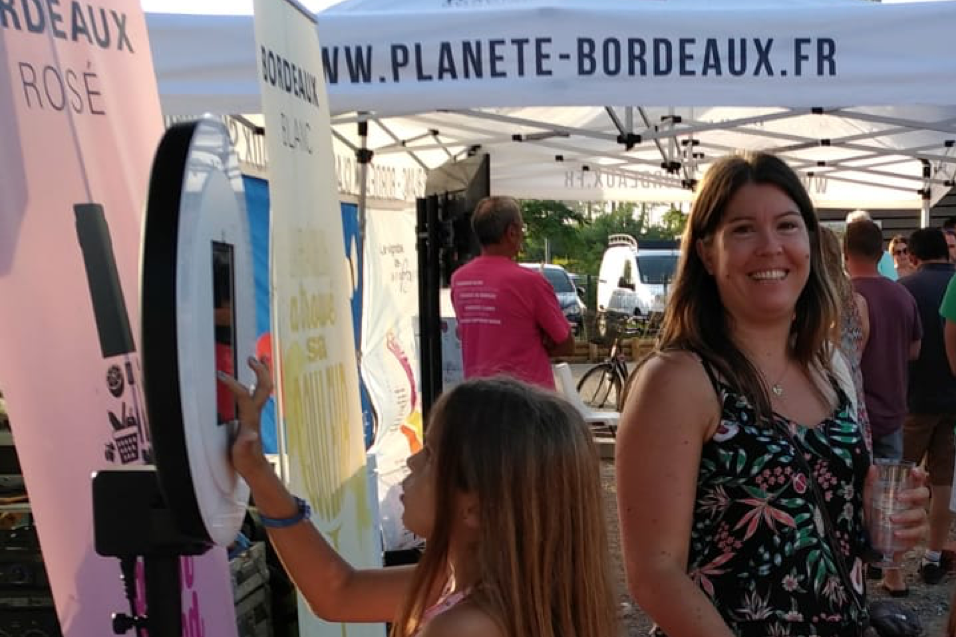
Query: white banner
(390, 363)
(421, 55)
(312, 328)
(429, 54)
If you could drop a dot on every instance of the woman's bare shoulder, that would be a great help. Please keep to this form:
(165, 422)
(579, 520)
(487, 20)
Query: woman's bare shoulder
(464, 620)
(674, 368)
(674, 384)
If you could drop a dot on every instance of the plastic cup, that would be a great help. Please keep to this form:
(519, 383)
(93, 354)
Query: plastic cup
(894, 476)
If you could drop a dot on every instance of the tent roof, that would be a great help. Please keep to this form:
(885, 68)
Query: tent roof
(530, 110)
(872, 156)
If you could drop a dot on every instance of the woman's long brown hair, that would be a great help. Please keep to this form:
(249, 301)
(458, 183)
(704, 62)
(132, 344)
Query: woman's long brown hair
(542, 551)
(833, 266)
(695, 318)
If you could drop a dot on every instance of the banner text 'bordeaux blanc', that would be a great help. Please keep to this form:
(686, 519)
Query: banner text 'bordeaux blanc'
(585, 57)
(298, 82)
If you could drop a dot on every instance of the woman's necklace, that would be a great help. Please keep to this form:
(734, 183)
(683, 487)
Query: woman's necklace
(777, 387)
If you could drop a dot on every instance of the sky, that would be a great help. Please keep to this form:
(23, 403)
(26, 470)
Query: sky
(245, 6)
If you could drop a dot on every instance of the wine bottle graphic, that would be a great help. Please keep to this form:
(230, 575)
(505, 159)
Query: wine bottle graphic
(109, 307)
(112, 321)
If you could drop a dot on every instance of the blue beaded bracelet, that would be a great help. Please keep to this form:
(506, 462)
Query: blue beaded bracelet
(280, 523)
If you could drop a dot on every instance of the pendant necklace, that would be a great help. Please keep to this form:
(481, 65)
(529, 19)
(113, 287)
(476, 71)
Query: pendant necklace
(777, 387)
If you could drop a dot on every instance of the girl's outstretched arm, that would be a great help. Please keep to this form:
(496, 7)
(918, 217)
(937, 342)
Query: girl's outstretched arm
(671, 410)
(333, 589)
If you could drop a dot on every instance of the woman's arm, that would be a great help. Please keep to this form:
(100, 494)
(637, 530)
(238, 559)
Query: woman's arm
(671, 410)
(333, 589)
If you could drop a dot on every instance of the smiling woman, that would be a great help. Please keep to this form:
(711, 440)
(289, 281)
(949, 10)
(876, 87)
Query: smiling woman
(760, 255)
(740, 465)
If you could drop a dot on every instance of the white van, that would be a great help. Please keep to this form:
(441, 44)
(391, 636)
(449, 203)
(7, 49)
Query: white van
(634, 279)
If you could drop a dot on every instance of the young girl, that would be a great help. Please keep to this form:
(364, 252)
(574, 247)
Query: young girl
(507, 494)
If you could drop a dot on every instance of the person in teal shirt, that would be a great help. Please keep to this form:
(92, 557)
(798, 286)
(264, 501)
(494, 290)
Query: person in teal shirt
(886, 267)
(948, 311)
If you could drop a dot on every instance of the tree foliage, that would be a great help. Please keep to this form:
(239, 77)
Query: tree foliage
(577, 238)
(551, 222)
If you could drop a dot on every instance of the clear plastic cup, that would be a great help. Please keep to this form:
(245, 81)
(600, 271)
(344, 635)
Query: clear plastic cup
(894, 476)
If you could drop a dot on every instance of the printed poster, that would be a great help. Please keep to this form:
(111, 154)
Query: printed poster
(79, 123)
(313, 344)
(390, 364)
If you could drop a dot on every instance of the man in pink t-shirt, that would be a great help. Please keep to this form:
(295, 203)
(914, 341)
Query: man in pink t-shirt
(509, 319)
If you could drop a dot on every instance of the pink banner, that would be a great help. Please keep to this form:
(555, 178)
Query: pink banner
(79, 122)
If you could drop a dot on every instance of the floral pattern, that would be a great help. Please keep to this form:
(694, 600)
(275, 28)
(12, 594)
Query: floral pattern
(758, 547)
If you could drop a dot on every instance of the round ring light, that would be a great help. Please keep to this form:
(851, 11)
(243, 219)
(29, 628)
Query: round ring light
(197, 317)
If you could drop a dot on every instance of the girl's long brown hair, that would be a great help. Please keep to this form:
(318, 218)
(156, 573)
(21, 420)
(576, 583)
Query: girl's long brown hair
(695, 318)
(542, 551)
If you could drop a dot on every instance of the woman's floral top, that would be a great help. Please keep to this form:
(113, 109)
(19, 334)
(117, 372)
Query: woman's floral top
(758, 545)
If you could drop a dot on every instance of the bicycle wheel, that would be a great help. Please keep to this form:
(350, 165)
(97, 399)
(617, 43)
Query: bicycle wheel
(600, 387)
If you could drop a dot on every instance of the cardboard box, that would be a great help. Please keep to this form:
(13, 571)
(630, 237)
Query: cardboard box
(250, 591)
(254, 614)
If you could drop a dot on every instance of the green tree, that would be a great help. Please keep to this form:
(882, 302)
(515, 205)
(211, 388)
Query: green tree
(577, 237)
(673, 223)
(554, 223)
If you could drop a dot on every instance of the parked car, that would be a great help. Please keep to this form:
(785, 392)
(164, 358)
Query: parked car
(569, 296)
(634, 278)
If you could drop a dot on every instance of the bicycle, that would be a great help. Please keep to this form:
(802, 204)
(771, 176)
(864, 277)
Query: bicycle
(602, 385)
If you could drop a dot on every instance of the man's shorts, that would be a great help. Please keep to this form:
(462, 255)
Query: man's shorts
(931, 435)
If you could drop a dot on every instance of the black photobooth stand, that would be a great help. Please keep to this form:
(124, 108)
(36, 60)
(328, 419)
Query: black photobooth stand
(132, 521)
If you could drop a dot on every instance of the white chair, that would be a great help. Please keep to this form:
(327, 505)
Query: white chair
(564, 381)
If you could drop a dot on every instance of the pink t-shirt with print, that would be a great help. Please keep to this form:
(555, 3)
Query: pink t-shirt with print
(504, 312)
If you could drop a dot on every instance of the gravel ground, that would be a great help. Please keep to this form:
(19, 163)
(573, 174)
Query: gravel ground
(931, 603)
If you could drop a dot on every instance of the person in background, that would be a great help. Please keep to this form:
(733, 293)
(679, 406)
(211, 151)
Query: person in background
(509, 319)
(738, 457)
(899, 250)
(950, 235)
(949, 227)
(885, 265)
(947, 310)
(501, 558)
(895, 333)
(931, 395)
(853, 327)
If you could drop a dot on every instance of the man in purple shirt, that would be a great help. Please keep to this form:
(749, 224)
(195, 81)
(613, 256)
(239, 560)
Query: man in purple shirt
(895, 335)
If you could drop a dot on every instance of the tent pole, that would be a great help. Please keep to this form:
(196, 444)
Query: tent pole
(925, 194)
(364, 156)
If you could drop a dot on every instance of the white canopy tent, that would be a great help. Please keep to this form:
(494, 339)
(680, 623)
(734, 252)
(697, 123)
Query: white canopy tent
(690, 80)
